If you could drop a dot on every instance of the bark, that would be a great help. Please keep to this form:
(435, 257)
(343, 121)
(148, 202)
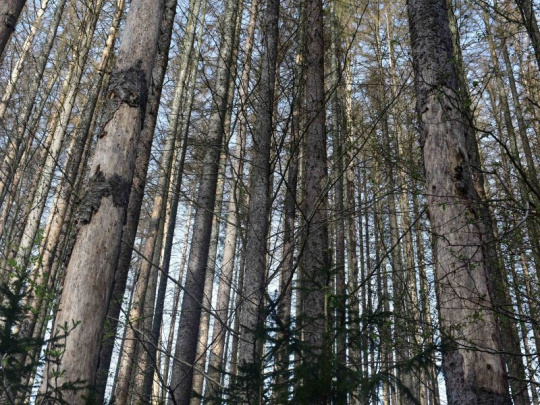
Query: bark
(9, 15)
(315, 258)
(176, 303)
(45, 271)
(252, 311)
(204, 330)
(151, 260)
(188, 328)
(474, 370)
(102, 212)
(135, 199)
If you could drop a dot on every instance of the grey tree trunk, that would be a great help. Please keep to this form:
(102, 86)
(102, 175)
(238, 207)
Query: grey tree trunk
(188, 328)
(315, 258)
(45, 271)
(473, 368)
(12, 157)
(215, 366)
(531, 25)
(102, 212)
(252, 314)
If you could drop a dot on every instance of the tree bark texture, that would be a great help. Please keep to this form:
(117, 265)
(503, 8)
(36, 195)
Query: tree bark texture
(102, 212)
(474, 370)
(10, 11)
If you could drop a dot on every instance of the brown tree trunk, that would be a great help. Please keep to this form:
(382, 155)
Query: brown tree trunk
(315, 258)
(102, 212)
(135, 199)
(252, 314)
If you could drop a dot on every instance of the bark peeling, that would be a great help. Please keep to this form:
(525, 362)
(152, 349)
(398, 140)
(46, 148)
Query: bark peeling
(100, 187)
(126, 86)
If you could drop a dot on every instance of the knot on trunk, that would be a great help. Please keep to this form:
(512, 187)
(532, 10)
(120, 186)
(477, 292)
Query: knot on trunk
(10, 21)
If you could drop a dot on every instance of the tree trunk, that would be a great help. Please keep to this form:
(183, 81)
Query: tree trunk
(188, 328)
(474, 373)
(135, 198)
(528, 15)
(315, 258)
(9, 15)
(252, 314)
(10, 161)
(102, 212)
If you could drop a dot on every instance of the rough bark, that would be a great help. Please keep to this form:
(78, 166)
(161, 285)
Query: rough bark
(9, 15)
(135, 199)
(315, 258)
(474, 370)
(102, 212)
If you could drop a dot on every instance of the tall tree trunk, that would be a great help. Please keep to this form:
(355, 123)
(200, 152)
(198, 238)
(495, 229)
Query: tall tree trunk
(252, 313)
(135, 198)
(12, 157)
(102, 212)
(315, 258)
(475, 373)
(25, 51)
(58, 131)
(188, 328)
(215, 366)
(45, 271)
(526, 9)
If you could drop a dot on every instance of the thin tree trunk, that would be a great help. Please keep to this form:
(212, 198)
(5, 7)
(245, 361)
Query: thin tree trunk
(58, 131)
(25, 51)
(215, 366)
(188, 328)
(12, 157)
(531, 25)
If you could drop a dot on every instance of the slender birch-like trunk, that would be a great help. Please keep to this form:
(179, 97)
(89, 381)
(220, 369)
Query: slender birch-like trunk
(13, 156)
(58, 131)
